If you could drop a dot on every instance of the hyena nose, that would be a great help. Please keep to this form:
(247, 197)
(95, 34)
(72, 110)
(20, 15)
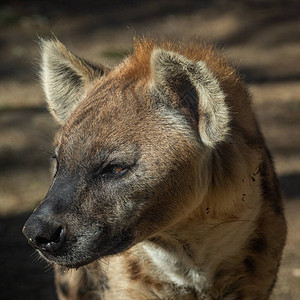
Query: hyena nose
(45, 236)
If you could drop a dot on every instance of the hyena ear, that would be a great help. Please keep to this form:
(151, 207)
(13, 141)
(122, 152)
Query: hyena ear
(66, 78)
(194, 87)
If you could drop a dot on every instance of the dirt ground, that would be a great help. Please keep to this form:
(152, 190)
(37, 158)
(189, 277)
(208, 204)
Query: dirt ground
(261, 37)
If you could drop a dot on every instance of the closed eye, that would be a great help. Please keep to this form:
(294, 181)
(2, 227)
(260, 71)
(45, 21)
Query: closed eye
(111, 171)
(114, 171)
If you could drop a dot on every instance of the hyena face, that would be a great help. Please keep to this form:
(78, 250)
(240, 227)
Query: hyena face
(130, 153)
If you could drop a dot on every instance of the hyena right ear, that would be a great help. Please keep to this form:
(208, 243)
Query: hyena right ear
(66, 78)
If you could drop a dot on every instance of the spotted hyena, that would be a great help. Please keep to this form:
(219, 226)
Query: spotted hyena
(163, 187)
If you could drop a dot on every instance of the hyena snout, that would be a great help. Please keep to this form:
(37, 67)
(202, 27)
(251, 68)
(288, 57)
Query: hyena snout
(44, 232)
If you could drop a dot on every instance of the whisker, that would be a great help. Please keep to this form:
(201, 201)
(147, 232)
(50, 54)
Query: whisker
(231, 221)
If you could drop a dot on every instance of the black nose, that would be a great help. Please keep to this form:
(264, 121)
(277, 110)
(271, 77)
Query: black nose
(43, 234)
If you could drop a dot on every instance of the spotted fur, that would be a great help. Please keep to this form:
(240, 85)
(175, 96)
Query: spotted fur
(163, 184)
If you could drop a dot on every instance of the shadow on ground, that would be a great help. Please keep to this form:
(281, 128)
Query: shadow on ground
(20, 266)
(290, 185)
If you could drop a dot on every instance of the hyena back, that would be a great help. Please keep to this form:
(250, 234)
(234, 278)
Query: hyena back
(163, 187)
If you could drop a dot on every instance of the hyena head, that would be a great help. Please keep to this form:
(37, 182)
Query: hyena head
(131, 155)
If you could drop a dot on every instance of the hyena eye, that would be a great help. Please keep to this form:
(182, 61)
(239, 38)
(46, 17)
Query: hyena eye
(114, 171)
(110, 171)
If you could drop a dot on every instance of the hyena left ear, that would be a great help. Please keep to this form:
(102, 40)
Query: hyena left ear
(197, 89)
(66, 78)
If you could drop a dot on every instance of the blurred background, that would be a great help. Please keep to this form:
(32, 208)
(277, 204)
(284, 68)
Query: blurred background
(261, 37)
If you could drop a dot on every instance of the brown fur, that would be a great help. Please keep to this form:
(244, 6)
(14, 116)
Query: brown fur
(199, 208)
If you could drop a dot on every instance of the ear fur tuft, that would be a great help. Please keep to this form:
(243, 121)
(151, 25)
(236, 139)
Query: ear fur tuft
(173, 73)
(65, 78)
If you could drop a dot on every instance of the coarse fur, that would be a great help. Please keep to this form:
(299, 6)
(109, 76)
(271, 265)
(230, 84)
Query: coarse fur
(163, 187)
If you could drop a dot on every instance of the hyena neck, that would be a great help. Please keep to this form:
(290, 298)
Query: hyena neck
(191, 253)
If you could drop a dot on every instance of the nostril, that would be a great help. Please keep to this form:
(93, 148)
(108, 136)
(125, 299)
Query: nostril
(51, 243)
(55, 237)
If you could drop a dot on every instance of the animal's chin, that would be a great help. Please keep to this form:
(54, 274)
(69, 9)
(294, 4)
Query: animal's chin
(67, 261)
(75, 257)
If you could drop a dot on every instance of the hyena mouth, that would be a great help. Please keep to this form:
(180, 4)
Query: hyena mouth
(80, 256)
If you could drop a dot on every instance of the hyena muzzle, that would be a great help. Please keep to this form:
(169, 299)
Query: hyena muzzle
(161, 161)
